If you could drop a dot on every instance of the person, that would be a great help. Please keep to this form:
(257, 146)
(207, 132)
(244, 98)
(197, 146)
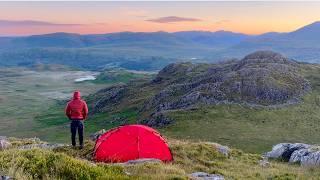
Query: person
(77, 111)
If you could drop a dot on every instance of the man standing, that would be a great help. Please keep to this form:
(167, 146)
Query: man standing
(77, 111)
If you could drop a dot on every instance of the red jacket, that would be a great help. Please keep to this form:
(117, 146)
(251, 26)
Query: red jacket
(77, 108)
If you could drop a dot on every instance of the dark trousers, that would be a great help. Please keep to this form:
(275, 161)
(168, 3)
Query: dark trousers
(77, 125)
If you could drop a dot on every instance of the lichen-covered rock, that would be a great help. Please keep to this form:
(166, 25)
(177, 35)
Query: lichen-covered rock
(225, 150)
(285, 150)
(311, 159)
(4, 144)
(205, 176)
(3, 137)
(304, 154)
(297, 155)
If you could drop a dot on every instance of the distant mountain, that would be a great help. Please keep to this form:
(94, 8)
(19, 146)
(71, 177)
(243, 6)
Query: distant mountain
(70, 40)
(303, 44)
(219, 39)
(309, 32)
(154, 50)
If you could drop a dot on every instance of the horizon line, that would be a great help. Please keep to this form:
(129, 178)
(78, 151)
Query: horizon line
(222, 30)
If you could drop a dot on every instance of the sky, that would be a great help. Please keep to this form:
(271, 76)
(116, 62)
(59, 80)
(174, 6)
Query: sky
(27, 18)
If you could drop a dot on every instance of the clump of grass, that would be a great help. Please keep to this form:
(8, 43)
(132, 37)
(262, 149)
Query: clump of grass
(189, 157)
(42, 164)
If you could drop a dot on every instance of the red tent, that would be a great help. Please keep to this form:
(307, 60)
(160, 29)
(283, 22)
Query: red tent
(131, 142)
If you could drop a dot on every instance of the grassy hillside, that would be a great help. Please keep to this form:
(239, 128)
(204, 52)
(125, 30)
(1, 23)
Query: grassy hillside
(189, 157)
(252, 129)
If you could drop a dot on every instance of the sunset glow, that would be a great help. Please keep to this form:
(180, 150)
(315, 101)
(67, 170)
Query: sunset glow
(106, 17)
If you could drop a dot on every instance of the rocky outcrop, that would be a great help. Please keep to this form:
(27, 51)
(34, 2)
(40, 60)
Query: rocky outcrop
(222, 149)
(261, 79)
(106, 99)
(157, 120)
(285, 150)
(304, 154)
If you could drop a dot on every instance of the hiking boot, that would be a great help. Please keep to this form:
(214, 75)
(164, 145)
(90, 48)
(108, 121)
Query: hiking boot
(81, 147)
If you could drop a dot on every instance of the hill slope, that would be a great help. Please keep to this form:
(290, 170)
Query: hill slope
(275, 101)
(260, 79)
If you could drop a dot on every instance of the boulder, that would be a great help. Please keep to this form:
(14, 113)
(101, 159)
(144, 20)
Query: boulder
(223, 149)
(303, 154)
(297, 155)
(311, 159)
(285, 150)
(206, 176)
(4, 144)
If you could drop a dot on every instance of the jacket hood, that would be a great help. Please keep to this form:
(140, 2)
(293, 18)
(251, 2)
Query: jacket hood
(76, 95)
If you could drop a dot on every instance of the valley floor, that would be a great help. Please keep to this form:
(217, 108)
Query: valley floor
(25, 93)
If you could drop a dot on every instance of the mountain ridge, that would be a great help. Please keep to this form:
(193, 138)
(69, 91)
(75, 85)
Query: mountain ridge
(140, 47)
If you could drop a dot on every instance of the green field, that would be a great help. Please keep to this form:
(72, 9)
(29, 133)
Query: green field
(32, 102)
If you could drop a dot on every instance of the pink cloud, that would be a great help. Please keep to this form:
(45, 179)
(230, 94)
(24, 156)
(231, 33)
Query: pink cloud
(172, 19)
